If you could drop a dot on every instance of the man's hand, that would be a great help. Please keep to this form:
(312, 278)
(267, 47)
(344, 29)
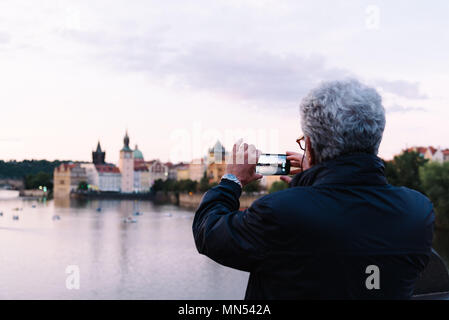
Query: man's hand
(243, 162)
(295, 161)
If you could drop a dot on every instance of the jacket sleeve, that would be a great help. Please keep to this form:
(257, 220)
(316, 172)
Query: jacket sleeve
(237, 239)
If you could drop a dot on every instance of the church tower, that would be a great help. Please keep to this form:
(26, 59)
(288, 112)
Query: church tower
(126, 165)
(98, 156)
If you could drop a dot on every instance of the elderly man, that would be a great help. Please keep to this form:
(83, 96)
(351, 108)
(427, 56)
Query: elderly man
(340, 231)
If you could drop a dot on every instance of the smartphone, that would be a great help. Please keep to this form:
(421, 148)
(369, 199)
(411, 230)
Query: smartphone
(273, 164)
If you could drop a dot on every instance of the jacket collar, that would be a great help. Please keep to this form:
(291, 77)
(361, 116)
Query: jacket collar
(349, 169)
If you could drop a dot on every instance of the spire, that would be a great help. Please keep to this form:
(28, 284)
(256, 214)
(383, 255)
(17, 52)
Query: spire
(98, 146)
(126, 143)
(126, 140)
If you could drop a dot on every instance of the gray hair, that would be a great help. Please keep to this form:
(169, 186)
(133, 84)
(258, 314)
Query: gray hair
(341, 117)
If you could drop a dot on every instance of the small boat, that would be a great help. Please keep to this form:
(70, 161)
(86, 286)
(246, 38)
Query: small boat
(15, 217)
(137, 213)
(56, 217)
(98, 209)
(17, 209)
(1, 213)
(33, 206)
(129, 220)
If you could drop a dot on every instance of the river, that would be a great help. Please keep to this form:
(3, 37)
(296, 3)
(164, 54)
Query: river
(152, 258)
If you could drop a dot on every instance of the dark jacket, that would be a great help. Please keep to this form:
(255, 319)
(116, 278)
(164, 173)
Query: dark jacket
(316, 239)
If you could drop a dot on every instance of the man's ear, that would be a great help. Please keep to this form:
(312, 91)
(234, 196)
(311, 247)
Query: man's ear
(310, 154)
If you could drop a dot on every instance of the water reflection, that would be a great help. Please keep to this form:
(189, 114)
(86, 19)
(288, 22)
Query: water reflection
(154, 258)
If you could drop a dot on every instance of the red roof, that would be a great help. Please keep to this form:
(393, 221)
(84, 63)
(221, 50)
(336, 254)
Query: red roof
(421, 150)
(66, 166)
(107, 168)
(432, 150)
(141, 168)
(446, 152)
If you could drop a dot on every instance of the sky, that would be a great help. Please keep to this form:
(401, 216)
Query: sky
(178, 75)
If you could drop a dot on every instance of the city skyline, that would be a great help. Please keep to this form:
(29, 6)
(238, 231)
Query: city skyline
(76, 73)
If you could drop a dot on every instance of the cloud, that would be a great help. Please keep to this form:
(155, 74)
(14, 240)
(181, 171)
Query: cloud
(243, 72)
(402, 88)
(4, 38)
(401, 109)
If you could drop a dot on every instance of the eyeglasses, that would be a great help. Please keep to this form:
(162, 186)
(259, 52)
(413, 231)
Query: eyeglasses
(301, 141)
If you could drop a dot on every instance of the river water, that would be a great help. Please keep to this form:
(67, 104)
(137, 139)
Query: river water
(153, 258)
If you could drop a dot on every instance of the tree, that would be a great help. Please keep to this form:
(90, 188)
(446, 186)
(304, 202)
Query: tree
(253, 186)
(403, 170)
(34, 181)
(204, 184)
(83, 186)
(278, 186)
(435, 184)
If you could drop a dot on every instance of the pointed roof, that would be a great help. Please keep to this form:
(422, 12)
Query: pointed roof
(217, 147)
(98, 147)
(126, 143)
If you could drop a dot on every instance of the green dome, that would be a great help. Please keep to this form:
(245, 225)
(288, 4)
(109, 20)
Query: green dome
(137, 153)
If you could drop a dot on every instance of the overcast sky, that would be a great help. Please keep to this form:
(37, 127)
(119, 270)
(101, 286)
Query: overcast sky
(180, 74)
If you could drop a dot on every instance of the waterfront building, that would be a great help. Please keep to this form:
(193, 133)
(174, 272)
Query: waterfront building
(98, 156)
(67, 177)
(172, 173)
(141, 172)
(102, 176)
(109, 178)
(182, 171)
(126, 165)
(197, 168)
(157, 170)
(216, 162)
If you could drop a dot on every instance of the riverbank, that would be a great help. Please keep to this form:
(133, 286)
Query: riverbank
(192, 200)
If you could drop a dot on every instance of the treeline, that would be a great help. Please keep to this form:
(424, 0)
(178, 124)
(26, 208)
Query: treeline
(194, 186)
(34, 173)
(411, 170)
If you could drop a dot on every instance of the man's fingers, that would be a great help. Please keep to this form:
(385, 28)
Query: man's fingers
(252, 154)
(295, 171)
(291, 153)
(286, 179)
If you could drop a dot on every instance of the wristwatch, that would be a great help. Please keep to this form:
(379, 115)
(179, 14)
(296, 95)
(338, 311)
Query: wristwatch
(233, 178)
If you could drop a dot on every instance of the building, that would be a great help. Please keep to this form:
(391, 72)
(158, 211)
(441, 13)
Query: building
(67, 177)
(441, 155)
(182, 171)
(141, 172)
(98, 156)
(216, 162)
(172, 173)
(100, 175)
(431, 153)
(157, 170)
(197, 168)
(126, 165)
(109, 178)
(92, 176)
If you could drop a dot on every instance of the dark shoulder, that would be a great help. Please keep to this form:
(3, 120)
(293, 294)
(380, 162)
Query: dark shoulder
(413, 197)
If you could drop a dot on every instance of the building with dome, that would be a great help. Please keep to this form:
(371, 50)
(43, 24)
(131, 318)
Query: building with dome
(141, 172)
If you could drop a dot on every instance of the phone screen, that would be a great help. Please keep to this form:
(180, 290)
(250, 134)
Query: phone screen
(273, 164)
